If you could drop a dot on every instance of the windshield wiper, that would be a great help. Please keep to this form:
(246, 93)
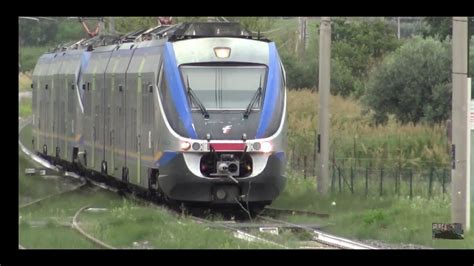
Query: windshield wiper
(255, 97)
(196, 100)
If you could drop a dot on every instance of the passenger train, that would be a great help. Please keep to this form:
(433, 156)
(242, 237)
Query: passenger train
(195, 112)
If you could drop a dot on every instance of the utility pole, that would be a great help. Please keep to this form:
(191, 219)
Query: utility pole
(111, 25)
(398, 27)
(101, 26)
(460, 173)
(324, 87)
(302, 34)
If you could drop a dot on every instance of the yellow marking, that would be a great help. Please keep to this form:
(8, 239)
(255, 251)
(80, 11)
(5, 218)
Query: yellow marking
(156, 156)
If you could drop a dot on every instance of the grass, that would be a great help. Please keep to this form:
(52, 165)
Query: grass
(54, 211)
(159, 229)
(389, 219)
(29, 56)
(24, 81)
(25, 107)
(124, 224)
(35, 187)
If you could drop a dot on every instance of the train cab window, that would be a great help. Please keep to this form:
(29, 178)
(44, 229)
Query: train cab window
(225, 87)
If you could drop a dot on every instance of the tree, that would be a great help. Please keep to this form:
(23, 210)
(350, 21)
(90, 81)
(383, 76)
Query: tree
(254, 24)
(442, 27)
(37, 32)
(130, 24)
(412, 83)
(357, 47)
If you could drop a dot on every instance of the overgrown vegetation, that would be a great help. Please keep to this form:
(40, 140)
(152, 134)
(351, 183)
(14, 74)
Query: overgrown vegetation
(396, 220)
(29, 55)
(154, 228)
(25, 107)
(24, 81)
(353, 134)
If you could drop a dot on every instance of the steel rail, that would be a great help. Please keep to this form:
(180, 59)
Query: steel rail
(324, 238)
(76, 226)
(291, 211)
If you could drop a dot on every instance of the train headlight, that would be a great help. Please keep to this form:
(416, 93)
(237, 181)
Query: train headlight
(185, 146)
(196, 146)
(267, 147)
(256, 146)
(222, 52)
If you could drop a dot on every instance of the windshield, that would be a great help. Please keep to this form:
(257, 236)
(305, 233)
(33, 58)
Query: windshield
(224, 87)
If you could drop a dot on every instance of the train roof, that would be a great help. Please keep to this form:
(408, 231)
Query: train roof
(172, 33)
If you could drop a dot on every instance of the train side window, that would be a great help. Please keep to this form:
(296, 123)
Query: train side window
(84, 86)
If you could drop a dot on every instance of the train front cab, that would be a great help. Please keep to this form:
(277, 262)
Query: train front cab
(225, 135)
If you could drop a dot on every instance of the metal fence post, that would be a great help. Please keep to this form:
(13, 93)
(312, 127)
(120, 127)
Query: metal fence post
(366, 180)
(333, 178)
(411, 183)
(430, 183)
(339, 179)
(314, 162)
(397, 172)
(293, 157)
(352, 180)
(444, 182)
(304, 166)
(381, 181)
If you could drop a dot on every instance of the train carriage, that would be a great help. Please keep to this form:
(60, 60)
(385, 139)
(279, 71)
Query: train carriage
(195, 113)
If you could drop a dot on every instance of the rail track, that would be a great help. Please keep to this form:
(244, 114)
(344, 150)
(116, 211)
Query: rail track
(75, 188)
(75, 225)
(323, 238)
(277, 211)
(237, 232)
(327, 240)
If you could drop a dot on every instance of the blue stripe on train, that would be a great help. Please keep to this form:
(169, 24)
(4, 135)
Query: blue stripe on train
(271, 92)
(177, 90)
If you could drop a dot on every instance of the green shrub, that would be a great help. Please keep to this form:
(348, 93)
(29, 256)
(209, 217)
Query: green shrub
(412, 83)
(29, 56)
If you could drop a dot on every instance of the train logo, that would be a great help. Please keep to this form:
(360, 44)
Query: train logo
(226, 129)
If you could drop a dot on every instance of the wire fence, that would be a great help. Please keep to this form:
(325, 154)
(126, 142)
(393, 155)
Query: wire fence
(372, 177)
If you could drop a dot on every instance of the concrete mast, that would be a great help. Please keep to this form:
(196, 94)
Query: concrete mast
(460, 209)
(324, 91)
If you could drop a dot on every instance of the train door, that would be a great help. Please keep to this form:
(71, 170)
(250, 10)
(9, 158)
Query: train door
(51, 105)
(110, 117)
(71, 108)
(87, 123)
(124, 113)
(36, 98)
(134, 115)
(100, 109)
(60, 88)
(147, 71)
